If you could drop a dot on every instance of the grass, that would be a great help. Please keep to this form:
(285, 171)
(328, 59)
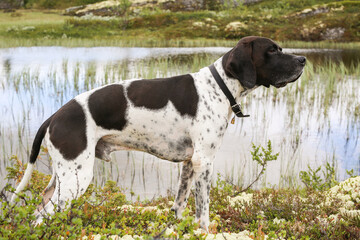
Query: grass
(128, 42)
(32, 18)
(320, 45)
(278, 20)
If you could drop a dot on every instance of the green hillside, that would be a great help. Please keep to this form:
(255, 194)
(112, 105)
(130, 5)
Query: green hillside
(42, 22)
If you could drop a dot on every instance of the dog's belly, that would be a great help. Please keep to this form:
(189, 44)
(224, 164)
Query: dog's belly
(172, 148)
(162, 133)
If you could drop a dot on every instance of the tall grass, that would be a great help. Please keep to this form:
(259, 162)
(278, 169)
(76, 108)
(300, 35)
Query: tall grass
(155, 42)
(122, 42)
(321, 44)
(325, 99)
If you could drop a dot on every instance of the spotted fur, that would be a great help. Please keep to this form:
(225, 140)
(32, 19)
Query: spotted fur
(180, 119)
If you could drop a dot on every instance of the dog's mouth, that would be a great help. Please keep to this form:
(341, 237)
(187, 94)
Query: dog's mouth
(280, 85)
(283, 84)
(297, 76)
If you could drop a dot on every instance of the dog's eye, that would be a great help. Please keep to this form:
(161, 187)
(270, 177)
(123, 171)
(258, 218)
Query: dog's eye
(272, 50)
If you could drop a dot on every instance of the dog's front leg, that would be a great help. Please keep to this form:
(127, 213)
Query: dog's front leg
(202, 194)
(186, 179)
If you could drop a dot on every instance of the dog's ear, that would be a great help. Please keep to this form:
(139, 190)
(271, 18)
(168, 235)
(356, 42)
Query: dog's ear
(238, 64)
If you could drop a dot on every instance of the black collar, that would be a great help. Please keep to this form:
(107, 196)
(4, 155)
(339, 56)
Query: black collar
(234, 106)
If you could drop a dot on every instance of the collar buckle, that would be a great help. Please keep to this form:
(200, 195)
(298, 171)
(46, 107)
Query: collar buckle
(237, 110)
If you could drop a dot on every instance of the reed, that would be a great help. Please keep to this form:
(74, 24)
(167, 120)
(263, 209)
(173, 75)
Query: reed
(6, 42)
(307, 107)
(320, 45)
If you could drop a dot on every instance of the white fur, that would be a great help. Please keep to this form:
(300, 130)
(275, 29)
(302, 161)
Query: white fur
(24, 181)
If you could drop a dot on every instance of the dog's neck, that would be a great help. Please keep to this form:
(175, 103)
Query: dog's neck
(234, 85)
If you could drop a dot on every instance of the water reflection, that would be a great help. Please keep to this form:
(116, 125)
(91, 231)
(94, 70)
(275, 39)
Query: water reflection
(319, 57)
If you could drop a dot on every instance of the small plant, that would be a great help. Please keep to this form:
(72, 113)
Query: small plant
(123, 7)
(312, 178)
(261, 158)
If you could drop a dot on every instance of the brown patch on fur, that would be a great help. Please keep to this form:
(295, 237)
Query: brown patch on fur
(108, 107)
(68, 130)
(156, 93)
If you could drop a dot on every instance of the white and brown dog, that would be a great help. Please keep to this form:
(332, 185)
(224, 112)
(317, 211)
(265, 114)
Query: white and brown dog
(180, 119)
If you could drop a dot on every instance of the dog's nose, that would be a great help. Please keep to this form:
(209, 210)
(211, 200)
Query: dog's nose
(301, 60)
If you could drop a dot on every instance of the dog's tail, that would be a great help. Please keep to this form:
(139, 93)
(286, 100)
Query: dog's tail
(33, 156)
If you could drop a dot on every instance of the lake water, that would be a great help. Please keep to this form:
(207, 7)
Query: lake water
(304, 125)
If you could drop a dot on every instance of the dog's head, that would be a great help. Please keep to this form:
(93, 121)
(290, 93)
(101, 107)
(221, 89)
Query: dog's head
(256, 61)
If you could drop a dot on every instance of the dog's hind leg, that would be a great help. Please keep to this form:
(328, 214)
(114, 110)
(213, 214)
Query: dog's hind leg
(72, 178)
(51, 183)
(186, 180)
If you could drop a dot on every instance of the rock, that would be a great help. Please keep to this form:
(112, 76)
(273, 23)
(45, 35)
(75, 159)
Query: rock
(91, 16)
(313, 31)
(214, 28)
(12, 29)
(209, 20)
(97, 7)
(148, 3)
(208, 26)
(308, 12)
(183, 5)
(28, 28)
(248, 2)
(235, 27)
(311, 12)
(11, 4)
(172, 5)
(192, 5)
(105, 8)
(72, 10)
(333, 33)
(198, 24)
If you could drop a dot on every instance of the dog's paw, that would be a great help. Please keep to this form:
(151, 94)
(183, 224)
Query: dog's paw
(177, 211)
(204, 223)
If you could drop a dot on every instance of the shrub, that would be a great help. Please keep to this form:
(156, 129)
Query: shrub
(313, 179)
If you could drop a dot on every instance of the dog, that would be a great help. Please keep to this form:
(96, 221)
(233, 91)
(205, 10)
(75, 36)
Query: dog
(180, 119)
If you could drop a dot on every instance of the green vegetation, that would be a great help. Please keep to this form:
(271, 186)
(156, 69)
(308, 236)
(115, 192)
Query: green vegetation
(291, 213)
(304, 21)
